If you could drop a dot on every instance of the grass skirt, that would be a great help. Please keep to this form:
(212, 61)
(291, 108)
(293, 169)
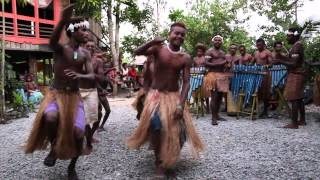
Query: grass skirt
(166, 103)
(294, 87)
(65, 146)
(215, 81)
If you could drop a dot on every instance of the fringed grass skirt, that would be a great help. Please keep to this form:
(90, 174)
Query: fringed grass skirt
(166, 104)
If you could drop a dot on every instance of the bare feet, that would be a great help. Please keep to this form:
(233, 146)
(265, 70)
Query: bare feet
(302, 123)
(214, 122)
(264, 115)
(291, 126)
(100, 129)
(221, 118)
(50, 160)
(94, 140)
(171, 173)
(87, 150)
(160, 173)
(72, 174)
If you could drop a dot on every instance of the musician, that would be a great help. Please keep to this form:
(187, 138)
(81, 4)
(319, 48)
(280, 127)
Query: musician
(295, 81)
(232, 58)
(263, 57)
(245, 58)
(199, 61)
(215, 82)
(277, 48)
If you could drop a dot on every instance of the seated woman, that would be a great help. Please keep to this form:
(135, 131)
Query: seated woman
(34, 95)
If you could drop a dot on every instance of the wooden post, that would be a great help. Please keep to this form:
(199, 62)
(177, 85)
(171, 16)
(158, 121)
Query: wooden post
(44, 72)
(2, 103)
(33, 66)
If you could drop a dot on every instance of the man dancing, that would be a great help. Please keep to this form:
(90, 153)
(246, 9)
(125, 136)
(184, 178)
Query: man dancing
(165, 117)
(89, 93)
(215, 82)
(263, 57)
(60, 119)
(295, 81)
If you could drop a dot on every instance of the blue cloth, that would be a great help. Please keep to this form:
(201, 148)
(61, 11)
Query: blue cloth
(35, 97)
(155, 122)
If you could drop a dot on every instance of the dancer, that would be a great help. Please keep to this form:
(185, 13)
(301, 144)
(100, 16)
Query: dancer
(215, 82)
(89, 93)
(295, 81)
(60, 119)
(165, 119)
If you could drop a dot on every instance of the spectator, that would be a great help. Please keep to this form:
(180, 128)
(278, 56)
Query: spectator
(34, 95)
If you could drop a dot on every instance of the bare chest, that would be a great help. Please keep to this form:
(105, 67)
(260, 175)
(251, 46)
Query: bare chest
(262, 58)
(170, 61)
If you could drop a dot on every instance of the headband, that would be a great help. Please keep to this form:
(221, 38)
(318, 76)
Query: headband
(84, 24)
(217, 36)
(295, 33)
(233, 45)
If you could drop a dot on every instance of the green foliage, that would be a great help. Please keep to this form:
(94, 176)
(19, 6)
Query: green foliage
(17, 99)
(207, 19)
(135, 16)
(89, 8)
(312, 50)
(131, 42)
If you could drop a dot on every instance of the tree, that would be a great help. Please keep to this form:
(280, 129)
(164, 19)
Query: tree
(206, 19)
(117, 12)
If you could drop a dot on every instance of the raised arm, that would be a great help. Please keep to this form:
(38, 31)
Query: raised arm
(148, 48)
(55, 37)
(296, 54)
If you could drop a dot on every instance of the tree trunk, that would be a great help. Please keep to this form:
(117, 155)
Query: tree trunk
(2, 66)
(158, 16)
(117, 36)
(112, 43)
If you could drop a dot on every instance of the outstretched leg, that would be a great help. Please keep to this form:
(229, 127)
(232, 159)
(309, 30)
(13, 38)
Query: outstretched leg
(106, 106)
(302, 120)
(294, 115)
(156, 145)
(214, 107)
(51, 126)
(72, 174)
(140, 106)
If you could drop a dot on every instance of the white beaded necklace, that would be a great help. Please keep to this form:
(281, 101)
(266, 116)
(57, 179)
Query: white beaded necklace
(174, 52)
